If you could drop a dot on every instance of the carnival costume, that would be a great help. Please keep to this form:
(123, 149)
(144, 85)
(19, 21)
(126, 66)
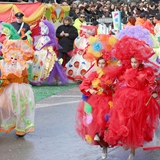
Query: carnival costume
(91, 113)
(78, 65)
(135, 114)
(11, 34)
(146, 36)
(137, 32)
(91, 117)
(46, 66)
(17, 104)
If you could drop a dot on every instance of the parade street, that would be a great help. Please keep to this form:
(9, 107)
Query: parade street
(55, 137)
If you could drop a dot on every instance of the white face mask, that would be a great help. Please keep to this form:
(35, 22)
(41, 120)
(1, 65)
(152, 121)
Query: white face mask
(13, 60)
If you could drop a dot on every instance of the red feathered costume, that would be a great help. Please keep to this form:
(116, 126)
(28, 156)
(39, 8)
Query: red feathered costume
(91, 114)
(135, 113)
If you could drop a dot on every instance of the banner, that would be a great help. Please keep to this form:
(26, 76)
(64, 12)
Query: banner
(117, 20)
(33, 12)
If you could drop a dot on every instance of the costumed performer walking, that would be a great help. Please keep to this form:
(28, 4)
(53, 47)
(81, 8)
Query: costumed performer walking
(92, 113)
(17, 103)
(135, 114)
(46, 66)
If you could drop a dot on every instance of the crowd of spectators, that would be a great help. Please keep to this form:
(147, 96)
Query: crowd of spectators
(94, 10)
(103, 9)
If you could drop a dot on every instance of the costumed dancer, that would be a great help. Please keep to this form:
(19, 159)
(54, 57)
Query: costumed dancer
(135, 114)
(98, 46)
(78, 65)
(11, 34)
(17, 103)
(46, 66)
(137, 32)
(90, 118)
(92, 113)
(145, 35)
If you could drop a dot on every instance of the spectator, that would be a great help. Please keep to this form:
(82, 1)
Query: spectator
(21, 26)
(141, 19)
(100, 11)
(74, 13)
(134, 11)
(66, 34)
(140, 9)
(88, 13)
(112, 8)
(91, 3)
(81, 9)
(146, 7)
(106, 12)
(79, 21)
(125, 14)
(85, 3)
(152, 9)
(94, 13)
(108, 5)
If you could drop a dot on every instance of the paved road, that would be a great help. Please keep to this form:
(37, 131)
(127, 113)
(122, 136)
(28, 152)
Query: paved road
(55, 137)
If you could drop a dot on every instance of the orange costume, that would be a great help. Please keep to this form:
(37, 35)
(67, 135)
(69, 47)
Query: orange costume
(17, 102)
(91, 114)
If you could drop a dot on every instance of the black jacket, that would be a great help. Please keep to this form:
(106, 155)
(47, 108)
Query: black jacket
(88, 15)
(66, 42)
(17, 26)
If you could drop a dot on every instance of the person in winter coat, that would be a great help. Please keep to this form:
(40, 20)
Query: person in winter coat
(66, 34)
(88, 13)
(79, 21)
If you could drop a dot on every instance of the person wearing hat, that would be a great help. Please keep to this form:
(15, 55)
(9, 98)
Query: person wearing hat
(66, 34)
(21, 26)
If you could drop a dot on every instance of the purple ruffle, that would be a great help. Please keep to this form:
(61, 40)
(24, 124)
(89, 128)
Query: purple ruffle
(137, 32)
(35, 83)
(57, 72)
(52, 35)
